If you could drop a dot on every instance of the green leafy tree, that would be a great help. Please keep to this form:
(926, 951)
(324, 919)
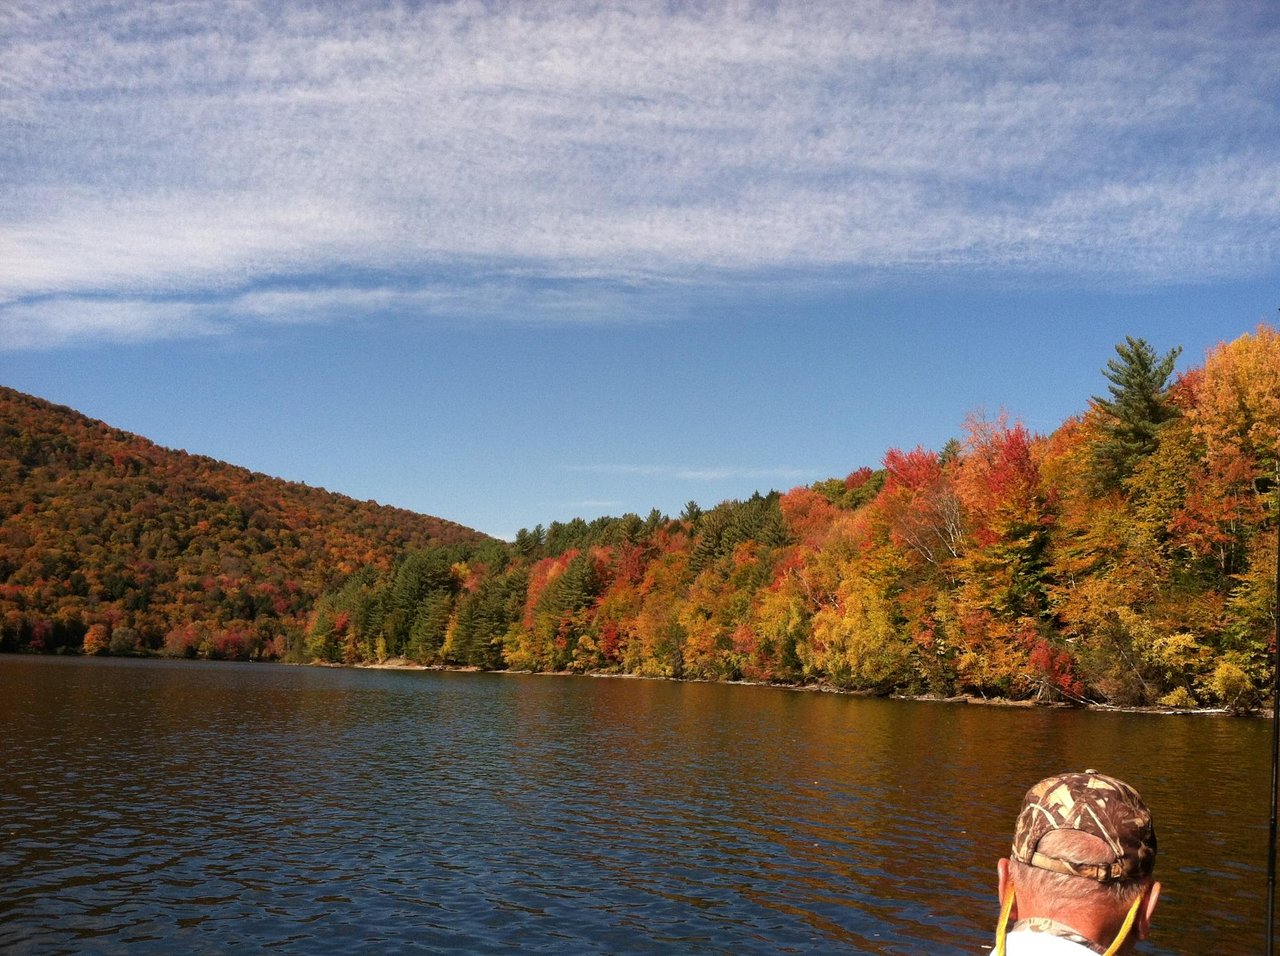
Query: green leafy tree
(416, 576)
(1136, 411)
(430, 626)
(528, 544)
(483, 618)
(730, 523)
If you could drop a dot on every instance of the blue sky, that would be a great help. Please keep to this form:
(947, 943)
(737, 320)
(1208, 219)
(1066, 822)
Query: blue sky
(510, 263)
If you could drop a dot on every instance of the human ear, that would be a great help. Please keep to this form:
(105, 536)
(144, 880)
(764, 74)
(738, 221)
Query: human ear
(1147, 909)
(1004, 884)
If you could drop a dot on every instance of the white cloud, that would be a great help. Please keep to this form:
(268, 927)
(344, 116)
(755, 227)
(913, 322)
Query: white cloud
(151, 150)
(700, 473)
(169, 243)
(51, 323)
(57, 320)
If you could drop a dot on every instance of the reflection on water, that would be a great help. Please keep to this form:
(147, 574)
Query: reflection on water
(165, 806)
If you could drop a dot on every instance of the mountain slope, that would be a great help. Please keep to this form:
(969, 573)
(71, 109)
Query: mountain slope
(104, 530)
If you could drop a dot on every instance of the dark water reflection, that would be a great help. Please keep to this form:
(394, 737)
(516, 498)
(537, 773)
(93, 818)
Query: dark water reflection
(163, 807)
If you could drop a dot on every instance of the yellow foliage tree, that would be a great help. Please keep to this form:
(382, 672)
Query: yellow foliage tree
(97, 639)
(1238, 398)
(861, 642)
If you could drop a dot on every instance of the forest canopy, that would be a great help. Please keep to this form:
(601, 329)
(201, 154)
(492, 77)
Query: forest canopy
(1126, 557)
(115, 544)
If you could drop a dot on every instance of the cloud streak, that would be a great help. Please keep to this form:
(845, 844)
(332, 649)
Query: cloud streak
(700, 473)
(462, 154)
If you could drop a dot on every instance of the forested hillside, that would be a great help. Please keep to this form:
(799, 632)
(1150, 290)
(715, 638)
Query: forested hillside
(1127, 557)
(113, 541)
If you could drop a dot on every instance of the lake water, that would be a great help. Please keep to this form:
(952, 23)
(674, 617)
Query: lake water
(160, 807)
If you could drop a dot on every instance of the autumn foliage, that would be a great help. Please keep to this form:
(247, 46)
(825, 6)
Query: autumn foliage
(115, 545)
(1116, 559)
(1071, 566)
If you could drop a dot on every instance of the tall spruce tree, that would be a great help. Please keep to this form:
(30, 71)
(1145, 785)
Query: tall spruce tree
(1136, 411)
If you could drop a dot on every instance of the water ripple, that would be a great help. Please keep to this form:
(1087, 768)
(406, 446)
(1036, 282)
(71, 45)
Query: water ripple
(160, 807)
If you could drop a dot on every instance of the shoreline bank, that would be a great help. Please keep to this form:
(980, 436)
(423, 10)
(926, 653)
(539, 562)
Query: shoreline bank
(404, 664)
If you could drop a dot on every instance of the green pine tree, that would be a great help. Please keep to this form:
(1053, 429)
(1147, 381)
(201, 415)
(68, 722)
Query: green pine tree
(1136, 411)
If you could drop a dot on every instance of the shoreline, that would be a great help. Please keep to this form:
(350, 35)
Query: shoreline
(403, 664)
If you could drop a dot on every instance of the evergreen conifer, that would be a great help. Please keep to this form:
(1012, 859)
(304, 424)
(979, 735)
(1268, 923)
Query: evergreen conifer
(1136, 411)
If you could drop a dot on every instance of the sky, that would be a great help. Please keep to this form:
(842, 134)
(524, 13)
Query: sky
(514, 263)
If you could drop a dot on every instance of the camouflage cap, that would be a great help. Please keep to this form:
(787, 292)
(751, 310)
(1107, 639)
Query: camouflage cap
(1092, 803)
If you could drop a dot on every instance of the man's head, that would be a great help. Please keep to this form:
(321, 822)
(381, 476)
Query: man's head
(1083, 853)
(1092, 803)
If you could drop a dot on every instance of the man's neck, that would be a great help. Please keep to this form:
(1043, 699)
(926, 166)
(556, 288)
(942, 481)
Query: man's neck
(1043, 924)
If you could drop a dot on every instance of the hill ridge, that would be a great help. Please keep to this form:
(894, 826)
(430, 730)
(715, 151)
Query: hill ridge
(103, 527)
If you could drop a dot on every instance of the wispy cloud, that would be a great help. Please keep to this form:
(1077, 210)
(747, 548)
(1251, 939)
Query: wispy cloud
(50, 323)
(700, 473)
(55, 320)
(154, 152)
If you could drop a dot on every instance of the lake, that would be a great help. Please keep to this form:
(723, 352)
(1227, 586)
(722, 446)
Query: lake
(165, 806)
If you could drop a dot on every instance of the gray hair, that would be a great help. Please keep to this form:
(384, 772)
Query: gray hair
(1070, 890)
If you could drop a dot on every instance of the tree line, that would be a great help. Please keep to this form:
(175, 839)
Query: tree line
(1126, 557)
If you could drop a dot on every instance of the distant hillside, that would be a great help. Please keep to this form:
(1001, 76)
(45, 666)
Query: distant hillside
(109, 535)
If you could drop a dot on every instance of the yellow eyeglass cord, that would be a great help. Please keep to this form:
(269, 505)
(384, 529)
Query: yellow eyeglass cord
(1002, 927)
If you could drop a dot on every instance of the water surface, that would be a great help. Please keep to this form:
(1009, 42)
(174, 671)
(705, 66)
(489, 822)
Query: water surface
(156, 806)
